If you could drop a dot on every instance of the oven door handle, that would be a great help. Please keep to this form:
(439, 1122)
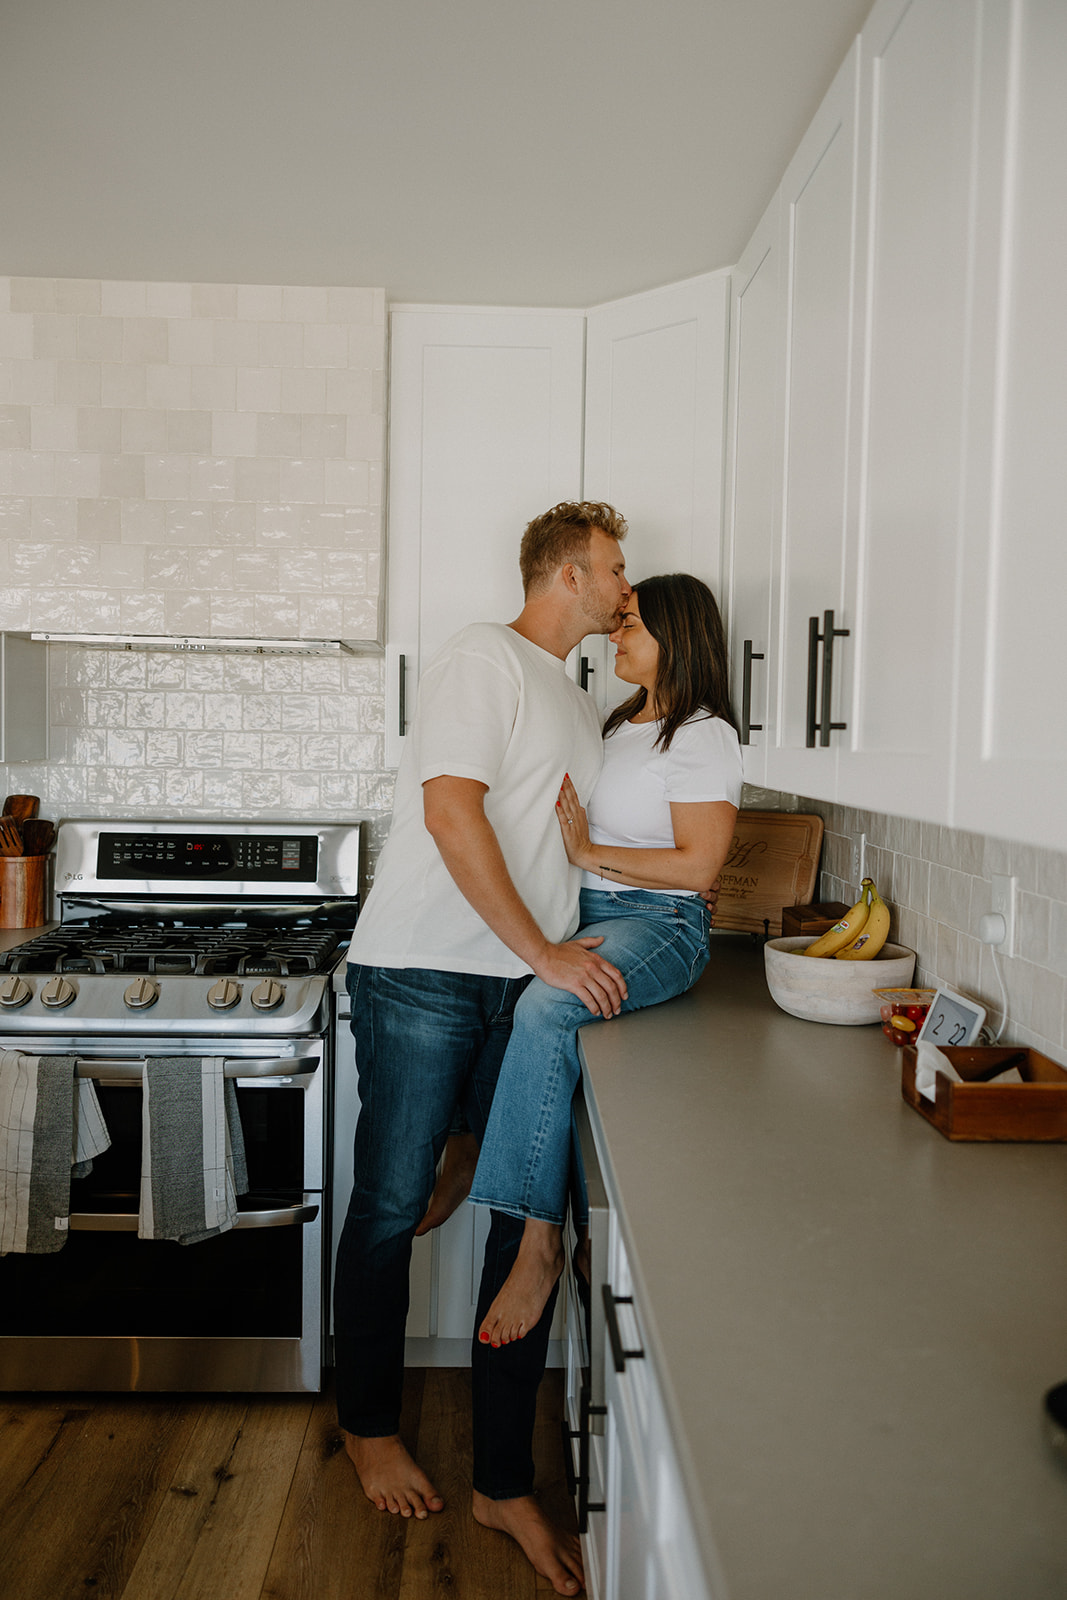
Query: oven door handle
(288, 1216)
(299, 1070)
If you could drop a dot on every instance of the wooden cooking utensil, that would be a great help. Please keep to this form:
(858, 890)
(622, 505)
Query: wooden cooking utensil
(38, 836)
(21, 806)
(10, 837)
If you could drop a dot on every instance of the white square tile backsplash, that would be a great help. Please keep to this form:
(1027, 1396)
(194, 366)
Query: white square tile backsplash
(199, 459)
(937, 881)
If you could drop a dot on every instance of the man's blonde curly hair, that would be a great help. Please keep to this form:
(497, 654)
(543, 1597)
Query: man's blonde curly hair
(562, 535)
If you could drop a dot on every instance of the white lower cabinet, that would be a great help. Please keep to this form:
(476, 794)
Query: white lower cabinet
(637, 1535)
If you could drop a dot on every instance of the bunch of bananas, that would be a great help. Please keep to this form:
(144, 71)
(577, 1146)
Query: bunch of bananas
(861, 932)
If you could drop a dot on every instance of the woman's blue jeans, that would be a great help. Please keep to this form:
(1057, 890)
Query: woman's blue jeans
(659, 943)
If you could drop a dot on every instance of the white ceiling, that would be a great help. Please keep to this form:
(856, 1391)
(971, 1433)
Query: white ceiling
(553, 152)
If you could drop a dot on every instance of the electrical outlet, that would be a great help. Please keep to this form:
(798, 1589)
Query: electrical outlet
(1004, 903)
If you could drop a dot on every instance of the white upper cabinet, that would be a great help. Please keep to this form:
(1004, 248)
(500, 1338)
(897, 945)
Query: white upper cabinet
(817, 199)
(910, 392)
(485, 434)
(1011, 762)
(654, 421)
(754, 485)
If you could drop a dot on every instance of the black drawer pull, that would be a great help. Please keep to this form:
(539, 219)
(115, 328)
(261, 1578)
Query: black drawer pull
(618, 1354)
(402, 667)
(747, 725)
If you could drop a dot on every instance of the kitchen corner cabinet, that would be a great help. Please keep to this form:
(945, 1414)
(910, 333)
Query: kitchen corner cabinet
(495, 415)
(485, 432)
(654, 424)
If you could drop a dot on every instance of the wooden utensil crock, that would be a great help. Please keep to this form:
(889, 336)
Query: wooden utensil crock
(24, 891)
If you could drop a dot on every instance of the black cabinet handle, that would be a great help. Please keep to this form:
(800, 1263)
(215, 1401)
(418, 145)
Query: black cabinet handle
(747, 725)
(829, 634)
(585, 671)
(578, 1482)
(819, 714)
(813, 681)
(568, 1433)
(402, 726)
(619, 1355)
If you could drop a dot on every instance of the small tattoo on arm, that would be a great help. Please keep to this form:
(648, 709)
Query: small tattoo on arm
(602, 869)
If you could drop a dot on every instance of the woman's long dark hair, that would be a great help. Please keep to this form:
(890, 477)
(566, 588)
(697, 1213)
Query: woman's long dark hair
(693, 673)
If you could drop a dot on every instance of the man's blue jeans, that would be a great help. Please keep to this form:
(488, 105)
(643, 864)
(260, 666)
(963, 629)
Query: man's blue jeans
(659, 942)
(426, 1042)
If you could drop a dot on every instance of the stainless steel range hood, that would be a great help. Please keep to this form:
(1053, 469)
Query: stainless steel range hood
(262, 647)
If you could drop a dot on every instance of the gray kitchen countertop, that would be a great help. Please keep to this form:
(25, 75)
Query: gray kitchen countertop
(853, 1320)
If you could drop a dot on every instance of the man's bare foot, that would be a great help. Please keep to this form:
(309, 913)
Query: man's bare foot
(391, 1479)
(525, 1291)
(551, 1551)
(453, 1181)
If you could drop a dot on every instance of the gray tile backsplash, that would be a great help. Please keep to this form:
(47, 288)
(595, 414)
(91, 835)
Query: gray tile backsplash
(937, 882)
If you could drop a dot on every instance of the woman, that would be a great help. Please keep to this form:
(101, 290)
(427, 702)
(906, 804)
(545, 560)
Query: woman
(659, 824)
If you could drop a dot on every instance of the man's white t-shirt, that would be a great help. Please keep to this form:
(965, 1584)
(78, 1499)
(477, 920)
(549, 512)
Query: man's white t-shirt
(496, 708)
(631, 803)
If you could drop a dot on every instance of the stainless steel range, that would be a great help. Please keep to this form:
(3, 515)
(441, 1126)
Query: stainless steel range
(185, 941)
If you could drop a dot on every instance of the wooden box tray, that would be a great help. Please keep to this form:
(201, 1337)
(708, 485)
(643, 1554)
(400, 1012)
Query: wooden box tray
(1035, 1109)
(773, 861)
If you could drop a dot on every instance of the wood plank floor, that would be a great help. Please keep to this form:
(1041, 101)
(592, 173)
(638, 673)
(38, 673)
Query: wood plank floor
(136, 1497)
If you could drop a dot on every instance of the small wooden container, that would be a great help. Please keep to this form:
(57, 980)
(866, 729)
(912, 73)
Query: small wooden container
(25, 891)
(817, 918)
(1034, 1110)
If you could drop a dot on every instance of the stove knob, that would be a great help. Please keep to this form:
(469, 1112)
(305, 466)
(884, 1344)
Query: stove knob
(268, 994)
(142, 993)
(224, 994)
(15, 992)
(57, 993)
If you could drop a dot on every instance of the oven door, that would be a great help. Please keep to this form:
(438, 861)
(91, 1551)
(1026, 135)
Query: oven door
(240, 1311)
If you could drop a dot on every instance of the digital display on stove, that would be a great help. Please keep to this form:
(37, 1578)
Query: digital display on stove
(198, 856)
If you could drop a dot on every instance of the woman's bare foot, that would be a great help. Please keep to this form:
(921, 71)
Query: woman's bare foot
(551, 1551)
(518, 1306)
(453, 1181)
(392, 1480)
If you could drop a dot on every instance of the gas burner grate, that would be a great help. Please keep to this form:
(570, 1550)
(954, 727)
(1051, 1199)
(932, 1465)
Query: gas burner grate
(200, 952)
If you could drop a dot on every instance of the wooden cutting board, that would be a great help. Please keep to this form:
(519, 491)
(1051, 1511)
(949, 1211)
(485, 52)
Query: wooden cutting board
(772, 862)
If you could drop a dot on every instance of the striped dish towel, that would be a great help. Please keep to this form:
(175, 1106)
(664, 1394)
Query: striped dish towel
(192, 1150)
(50, 1130)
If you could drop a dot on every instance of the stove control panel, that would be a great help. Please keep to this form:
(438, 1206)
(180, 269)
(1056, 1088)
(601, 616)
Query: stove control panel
(194, 856)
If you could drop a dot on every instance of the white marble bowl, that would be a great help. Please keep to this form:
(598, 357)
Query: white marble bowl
(821, 989)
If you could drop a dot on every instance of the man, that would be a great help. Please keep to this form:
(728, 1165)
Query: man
(472, 895)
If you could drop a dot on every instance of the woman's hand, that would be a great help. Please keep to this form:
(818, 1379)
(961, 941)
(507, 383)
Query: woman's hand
(573, 825)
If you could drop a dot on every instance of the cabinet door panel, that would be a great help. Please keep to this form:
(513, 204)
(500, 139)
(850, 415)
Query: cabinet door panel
(818, 196)
(754, 480)
(653, 435)
(485, 433)
(917, 152)
(1011, 772)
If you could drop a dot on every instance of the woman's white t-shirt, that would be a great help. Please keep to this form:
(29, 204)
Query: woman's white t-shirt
(631, 803)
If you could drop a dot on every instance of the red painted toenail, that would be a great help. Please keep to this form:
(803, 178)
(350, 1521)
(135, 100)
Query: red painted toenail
(484, 1337)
